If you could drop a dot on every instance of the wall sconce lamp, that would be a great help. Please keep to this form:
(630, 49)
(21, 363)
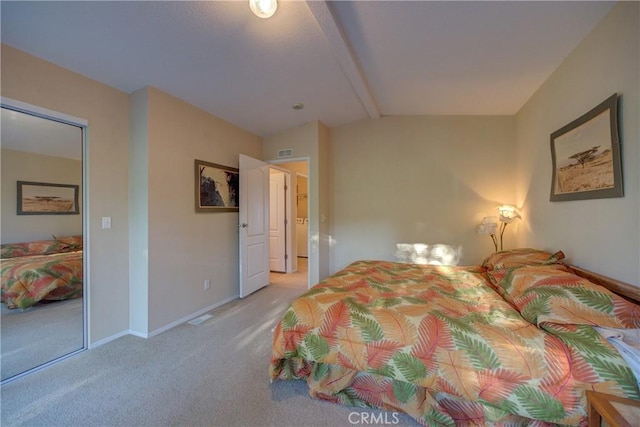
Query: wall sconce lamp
(489, 224)
(507, 214)
(263, 8)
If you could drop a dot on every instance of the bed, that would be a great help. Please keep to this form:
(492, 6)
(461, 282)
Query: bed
(40, 271)
(509, 342)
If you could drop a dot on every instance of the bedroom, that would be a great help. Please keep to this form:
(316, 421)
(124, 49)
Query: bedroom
(599, 234)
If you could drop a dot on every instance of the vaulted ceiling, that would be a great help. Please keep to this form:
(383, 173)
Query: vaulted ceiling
(344, 61)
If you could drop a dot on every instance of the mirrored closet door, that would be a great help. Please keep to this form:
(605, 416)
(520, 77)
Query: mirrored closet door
(41, 232)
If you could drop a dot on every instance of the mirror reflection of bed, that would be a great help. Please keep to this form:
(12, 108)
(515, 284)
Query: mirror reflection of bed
(41, 254)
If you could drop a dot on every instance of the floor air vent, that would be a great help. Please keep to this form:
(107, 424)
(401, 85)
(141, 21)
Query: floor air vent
(200, 320)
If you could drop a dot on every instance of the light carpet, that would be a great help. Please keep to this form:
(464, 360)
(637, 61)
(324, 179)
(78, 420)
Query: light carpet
(39, 334)
(212, 374)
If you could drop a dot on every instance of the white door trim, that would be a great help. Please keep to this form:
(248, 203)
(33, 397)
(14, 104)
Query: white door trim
(290, 233)
(313, 256)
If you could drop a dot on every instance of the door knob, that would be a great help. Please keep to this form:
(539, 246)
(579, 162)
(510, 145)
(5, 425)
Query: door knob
(244, 225)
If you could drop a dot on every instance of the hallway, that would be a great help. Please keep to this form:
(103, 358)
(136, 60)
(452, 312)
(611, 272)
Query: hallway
(292, 280)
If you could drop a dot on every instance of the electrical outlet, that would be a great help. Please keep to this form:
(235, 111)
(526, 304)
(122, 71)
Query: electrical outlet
(106, 222)
(207, 284)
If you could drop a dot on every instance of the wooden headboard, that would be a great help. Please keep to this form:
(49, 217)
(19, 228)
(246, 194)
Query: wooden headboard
(621, 288)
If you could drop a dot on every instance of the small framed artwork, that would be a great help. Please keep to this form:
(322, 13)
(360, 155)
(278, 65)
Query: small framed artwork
(216, 187)
(586, 156)
(42, 198)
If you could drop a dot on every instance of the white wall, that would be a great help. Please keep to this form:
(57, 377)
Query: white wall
(34, 81)
(418, 180)
(601, 235)
(22, 166)
(139, 214)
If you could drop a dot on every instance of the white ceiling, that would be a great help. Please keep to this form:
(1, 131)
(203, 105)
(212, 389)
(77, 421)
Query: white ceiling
(344, 60)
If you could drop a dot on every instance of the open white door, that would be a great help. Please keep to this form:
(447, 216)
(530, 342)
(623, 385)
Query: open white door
(277, 222)
(253, 225)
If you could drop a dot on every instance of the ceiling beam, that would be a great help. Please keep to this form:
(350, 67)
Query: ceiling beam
(343, 53)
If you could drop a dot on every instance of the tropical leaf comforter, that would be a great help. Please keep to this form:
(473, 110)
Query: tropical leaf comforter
(440, 344)
(27, 280)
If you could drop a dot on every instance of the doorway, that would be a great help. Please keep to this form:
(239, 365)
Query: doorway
(295, 205)
(43, 236)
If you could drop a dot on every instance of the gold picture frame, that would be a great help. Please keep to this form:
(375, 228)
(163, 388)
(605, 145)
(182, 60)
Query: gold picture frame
(217, 187)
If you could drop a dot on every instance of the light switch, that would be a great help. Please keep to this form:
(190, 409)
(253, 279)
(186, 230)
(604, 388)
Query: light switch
(106, 222)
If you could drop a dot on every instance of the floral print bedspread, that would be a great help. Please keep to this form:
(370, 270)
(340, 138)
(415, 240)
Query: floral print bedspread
(27, 280)
(441, 345)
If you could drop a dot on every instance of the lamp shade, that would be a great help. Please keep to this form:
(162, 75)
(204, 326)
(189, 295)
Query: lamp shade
(489, 225)
(263, 8)
(508, 213)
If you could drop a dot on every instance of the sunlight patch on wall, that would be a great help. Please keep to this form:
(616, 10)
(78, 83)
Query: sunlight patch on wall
(422, 253)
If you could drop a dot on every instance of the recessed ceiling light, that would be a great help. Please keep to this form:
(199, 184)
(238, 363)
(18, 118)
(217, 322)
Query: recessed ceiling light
(298, 106)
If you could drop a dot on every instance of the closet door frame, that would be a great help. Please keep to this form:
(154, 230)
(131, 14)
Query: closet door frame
(45, 113)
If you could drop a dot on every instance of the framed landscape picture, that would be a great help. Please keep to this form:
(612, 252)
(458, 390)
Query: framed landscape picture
(586, 156)
(216, 187)
(42, 198)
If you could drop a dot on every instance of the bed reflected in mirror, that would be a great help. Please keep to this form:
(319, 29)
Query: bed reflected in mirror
(41, 236)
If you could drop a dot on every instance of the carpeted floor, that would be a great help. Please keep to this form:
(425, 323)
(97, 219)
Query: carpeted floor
(39, 334)
(213, 374)
(297, 280)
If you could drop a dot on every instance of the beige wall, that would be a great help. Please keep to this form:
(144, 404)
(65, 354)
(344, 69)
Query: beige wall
(418, 180)
(324, 201)
(31, 80)
(602, 235)
(301, 186)
(185, 248)
(22, 166)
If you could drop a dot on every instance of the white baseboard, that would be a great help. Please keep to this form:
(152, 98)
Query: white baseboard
(164, 328)
(138, 334)
(109, 339)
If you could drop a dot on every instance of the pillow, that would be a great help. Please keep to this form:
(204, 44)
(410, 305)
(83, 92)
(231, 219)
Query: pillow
(71, 243)
(13, 250)
(552, 294)
(41, 247)
(520, 257)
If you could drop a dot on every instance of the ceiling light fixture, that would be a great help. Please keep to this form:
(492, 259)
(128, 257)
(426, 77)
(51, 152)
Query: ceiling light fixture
(263, 8)
(298, 106)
